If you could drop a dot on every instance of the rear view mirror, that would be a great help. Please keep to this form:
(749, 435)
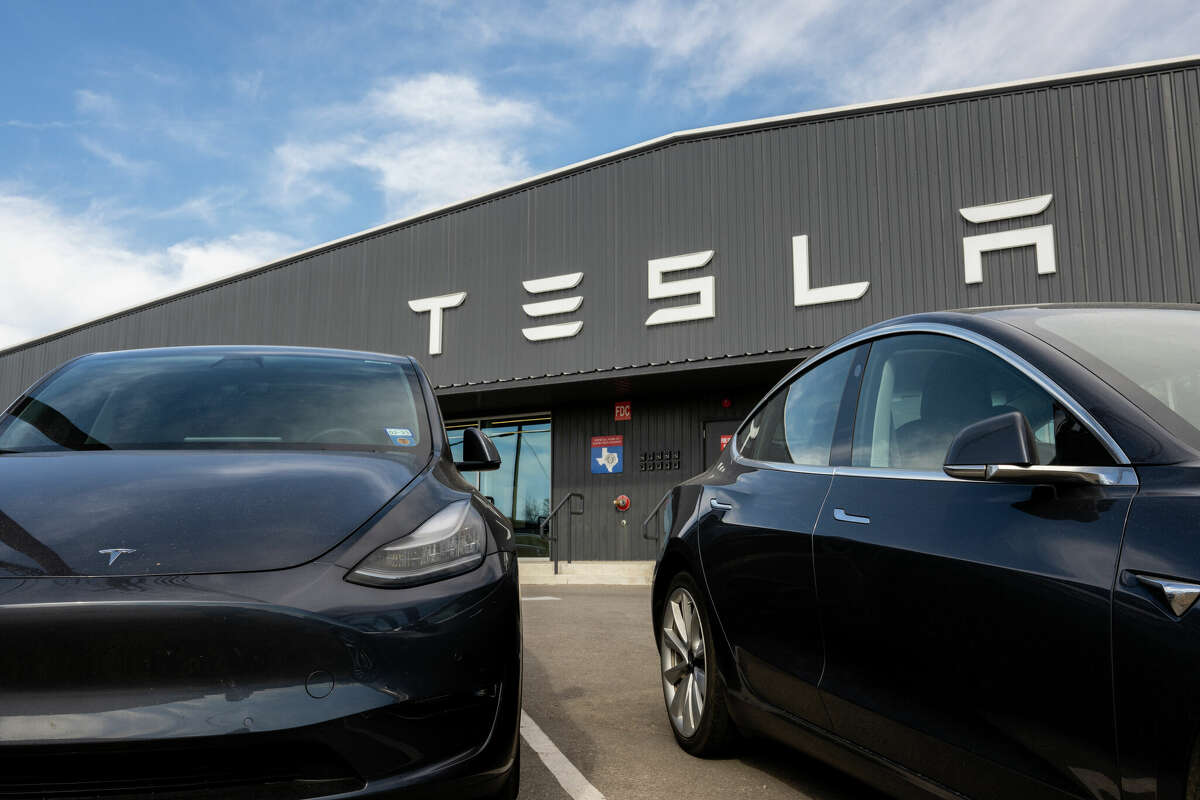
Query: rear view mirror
(479, 453)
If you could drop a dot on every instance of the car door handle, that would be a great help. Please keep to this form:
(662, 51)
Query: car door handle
(717, 505)
(1179, 596)
(841, 516)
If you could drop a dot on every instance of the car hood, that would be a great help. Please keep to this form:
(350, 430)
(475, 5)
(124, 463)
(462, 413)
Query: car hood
(185, 512)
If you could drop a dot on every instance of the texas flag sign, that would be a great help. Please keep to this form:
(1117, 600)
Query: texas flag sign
(608, 454)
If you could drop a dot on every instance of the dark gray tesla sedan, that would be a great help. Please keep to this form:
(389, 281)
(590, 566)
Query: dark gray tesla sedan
(957, 554)
(251, 572)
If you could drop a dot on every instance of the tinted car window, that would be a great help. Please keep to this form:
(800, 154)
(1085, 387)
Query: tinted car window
(920, 390)
(796, 426)
(220, 399)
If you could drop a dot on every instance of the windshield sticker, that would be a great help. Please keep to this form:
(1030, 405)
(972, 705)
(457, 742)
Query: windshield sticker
(401, 437)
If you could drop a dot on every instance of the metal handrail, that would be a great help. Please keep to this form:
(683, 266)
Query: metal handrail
(654, 513)
(545, 524)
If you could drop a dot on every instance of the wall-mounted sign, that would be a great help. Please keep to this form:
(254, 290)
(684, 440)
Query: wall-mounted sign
(623, 411)
(704, 287)
(725, 439)
(608, 454)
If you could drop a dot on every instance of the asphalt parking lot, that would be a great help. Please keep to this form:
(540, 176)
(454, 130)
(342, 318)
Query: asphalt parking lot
(592, 690)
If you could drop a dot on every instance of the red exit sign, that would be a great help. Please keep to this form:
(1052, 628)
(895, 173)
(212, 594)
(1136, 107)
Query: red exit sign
(623, 411)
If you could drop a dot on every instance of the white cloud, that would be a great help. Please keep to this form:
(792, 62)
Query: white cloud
(872, 50)
(450, 101)
(206, 206)
(247, 85)
(36, 126)
(114, 159)
(426, 141)
(714, 47)
(60, 269)
(1003, 40)
(198, 261)
(98, 103)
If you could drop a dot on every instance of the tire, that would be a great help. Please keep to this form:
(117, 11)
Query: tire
(693, 689)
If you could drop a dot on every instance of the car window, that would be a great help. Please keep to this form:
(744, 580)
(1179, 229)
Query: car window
(1150, 355)
(796, 425)
(920, 390)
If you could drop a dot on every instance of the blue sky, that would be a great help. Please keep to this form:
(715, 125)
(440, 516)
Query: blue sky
(147, 147)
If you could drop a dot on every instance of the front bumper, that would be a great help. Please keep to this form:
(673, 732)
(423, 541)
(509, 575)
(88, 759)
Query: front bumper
(292, 684)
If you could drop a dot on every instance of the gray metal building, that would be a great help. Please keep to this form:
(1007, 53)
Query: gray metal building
(686, 274)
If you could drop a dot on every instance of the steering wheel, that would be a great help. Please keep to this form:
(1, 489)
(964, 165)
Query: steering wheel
(355, 436)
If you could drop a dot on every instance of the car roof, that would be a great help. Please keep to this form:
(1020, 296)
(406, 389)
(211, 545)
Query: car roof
(1020, 315)
(252, 350)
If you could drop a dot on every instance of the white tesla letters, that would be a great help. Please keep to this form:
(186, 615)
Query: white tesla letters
(804, 294)
(704, 287)
(1040, 237)
(435, 306)
(660, 289)
(545, 308)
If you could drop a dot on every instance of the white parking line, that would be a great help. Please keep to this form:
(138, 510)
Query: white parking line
(570, 778)
(541, 597)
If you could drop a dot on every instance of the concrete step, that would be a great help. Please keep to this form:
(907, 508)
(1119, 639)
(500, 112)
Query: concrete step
(611, 573)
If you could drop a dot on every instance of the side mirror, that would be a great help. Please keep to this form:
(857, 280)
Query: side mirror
(1004, 439)
(479, 453)
(1003, 449)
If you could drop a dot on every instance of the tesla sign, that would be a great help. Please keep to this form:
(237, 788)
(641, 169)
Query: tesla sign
(662, 283)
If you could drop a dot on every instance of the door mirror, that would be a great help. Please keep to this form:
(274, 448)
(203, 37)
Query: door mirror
(479, 453)
(1003, 449)
(1004, 439)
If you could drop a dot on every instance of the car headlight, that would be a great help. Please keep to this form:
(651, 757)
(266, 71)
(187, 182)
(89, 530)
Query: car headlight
(450, 542)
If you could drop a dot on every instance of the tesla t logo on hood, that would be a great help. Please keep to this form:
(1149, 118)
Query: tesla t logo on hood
(114, 553)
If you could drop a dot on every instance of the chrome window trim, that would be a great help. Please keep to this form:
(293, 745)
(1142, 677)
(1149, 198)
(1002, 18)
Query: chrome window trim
(805, 469)
(1113, 476)
(1000, 351)
(893, 472)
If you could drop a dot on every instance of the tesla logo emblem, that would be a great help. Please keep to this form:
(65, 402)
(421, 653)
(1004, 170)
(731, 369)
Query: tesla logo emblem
(114, 553)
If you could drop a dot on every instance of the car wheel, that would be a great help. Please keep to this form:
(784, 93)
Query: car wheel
(692, 685)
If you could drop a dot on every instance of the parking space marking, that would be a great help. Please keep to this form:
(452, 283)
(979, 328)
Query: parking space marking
(570, 778)
(542, 597)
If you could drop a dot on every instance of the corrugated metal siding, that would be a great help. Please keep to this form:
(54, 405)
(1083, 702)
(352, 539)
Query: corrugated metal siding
(674, 423)
(877, 192)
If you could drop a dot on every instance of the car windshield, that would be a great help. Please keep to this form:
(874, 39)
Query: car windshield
(221, 399)
(1152, 356)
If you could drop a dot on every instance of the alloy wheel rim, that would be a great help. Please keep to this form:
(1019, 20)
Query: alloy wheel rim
(684, 664)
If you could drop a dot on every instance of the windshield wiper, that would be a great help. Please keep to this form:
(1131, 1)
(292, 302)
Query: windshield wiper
(54, 425)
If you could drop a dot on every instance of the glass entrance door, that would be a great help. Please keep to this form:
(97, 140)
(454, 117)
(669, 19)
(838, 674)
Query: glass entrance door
(521, 487)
